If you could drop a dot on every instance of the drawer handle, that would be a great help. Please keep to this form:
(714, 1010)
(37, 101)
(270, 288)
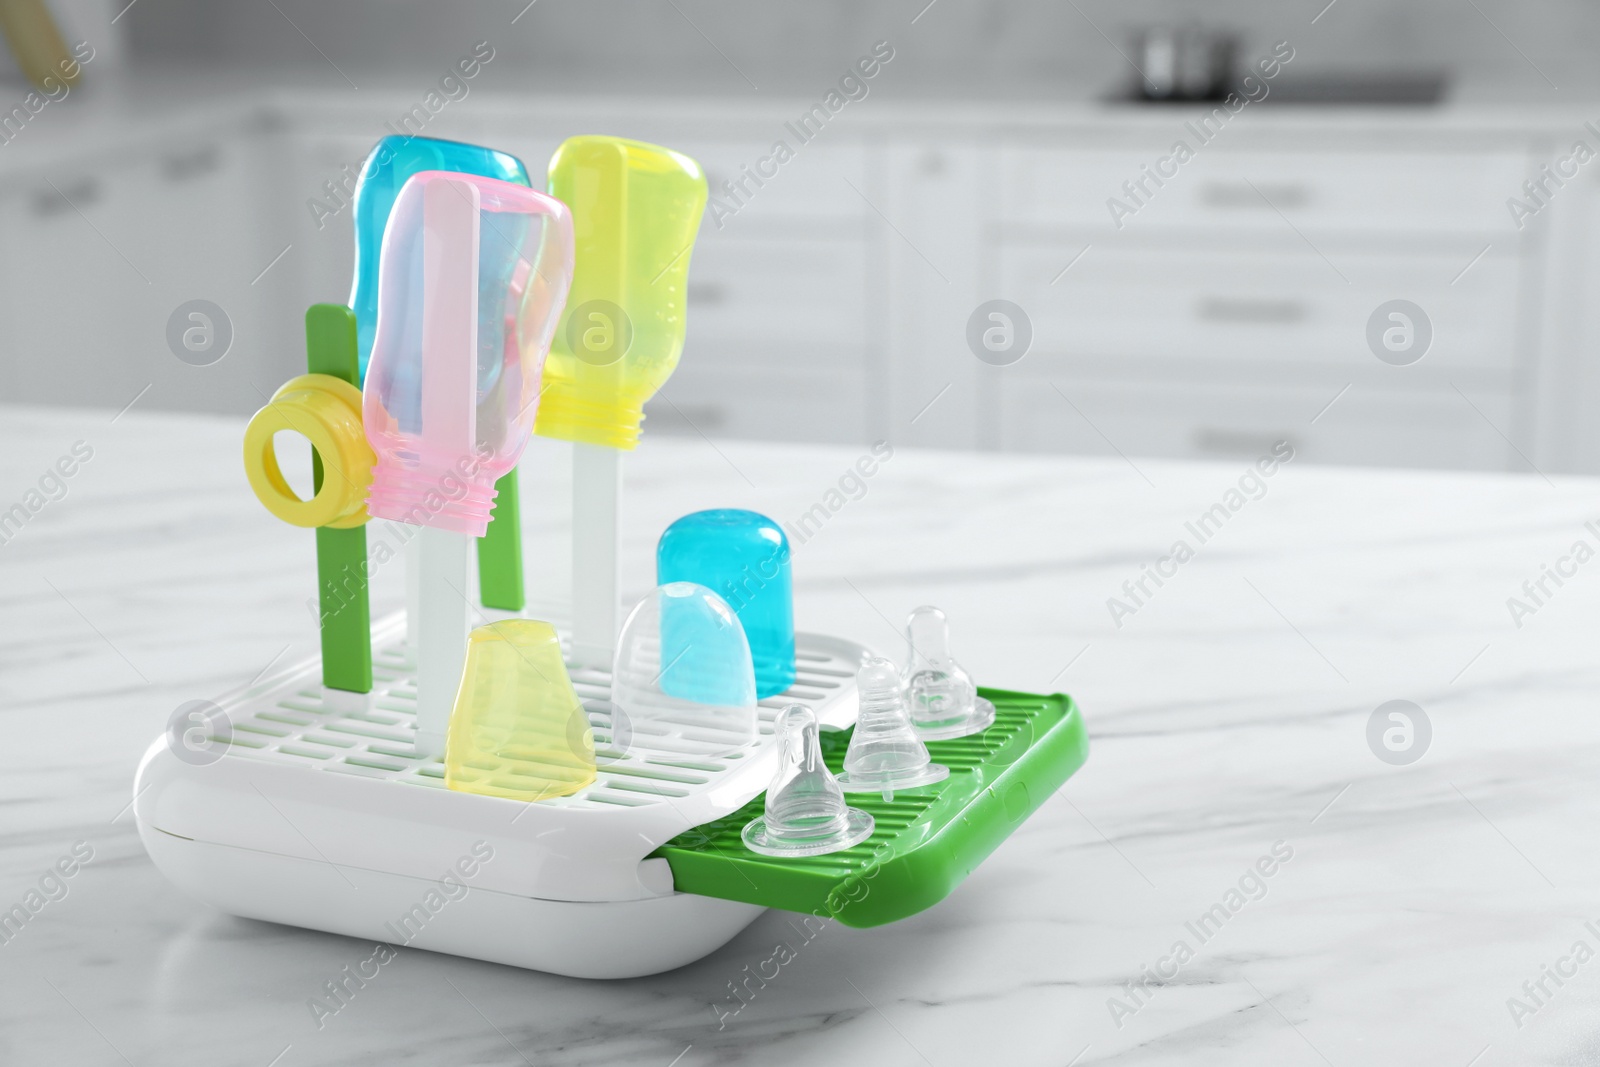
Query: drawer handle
(686, 418)
(706, 293)
(182, 166)
(1220, 442)
(1261, 197)
(1246, 310)
(60, 200)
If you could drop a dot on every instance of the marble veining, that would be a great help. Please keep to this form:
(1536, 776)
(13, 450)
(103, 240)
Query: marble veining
(1418, 907)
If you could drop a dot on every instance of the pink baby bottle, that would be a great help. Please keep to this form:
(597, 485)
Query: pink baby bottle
(472, 278)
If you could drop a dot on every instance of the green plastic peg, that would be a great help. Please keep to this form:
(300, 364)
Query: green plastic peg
(344, 611)
(500, 550)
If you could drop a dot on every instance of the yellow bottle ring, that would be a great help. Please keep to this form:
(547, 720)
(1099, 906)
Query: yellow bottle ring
(327, 412)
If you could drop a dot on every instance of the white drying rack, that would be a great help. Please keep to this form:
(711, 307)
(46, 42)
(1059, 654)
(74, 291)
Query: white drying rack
(313, 809)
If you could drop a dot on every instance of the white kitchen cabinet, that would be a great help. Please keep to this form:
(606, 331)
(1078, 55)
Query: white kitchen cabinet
(106, 247)
(788, 304)
(823, 406)
(778, 343)
(1234, 304)
(931, 224)
(785, 311)
(832, 302)
(325, 268)
(1566, 433)
(85, 328)
(201, 236)
(813, 188)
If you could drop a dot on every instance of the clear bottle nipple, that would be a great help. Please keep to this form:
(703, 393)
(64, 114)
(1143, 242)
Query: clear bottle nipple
(806, 813)
(885, 754)
(944, 702)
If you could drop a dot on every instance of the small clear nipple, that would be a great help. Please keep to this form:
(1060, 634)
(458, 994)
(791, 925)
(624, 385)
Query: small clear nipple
(806, 814)
(944, 702)
(885, 752)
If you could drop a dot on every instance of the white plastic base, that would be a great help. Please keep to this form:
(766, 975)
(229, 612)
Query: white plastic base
(620, 939)
(315, 810)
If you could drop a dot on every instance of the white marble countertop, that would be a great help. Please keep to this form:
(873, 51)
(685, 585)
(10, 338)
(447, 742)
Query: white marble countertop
(1229, 718)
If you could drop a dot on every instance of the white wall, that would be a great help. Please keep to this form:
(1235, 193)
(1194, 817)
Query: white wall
(955, 48)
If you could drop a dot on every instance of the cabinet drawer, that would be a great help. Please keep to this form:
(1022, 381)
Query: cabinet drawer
(1286, 308)
(1387, 192)
(84, 326)
(811, 185)
(758, 404)
(790, 298)
(1366, 426)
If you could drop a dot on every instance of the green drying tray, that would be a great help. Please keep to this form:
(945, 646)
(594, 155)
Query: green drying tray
(925, 841)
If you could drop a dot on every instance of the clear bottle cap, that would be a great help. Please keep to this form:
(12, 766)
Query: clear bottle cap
(944, 702)
(806, 813)
(682, 683)
(885, 753)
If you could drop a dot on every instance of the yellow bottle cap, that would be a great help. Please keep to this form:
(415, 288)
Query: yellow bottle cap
(327, 412)
(518, 729)
(635, 211)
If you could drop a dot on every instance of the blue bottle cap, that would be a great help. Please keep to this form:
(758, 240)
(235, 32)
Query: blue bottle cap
(743, 557)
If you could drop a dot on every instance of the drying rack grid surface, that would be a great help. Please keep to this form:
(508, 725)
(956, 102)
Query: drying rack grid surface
(296, 720)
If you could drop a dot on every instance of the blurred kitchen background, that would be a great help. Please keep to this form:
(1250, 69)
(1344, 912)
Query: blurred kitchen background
(1246, 297)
